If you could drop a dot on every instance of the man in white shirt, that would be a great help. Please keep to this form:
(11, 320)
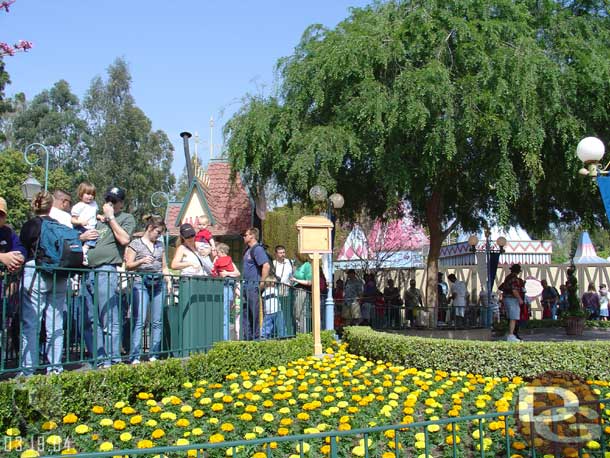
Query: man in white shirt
(283, 269)
(459, 295)
(60, 211)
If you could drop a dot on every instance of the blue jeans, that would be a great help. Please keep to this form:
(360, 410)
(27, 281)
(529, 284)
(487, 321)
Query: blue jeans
(42, 293)
(103, 319)
(147, 291)
(273, 325)
(228, 292)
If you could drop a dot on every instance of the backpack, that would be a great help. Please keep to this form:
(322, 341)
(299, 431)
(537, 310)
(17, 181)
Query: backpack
(58, 246)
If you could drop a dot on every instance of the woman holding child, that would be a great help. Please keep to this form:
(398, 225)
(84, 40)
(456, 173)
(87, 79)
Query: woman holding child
(198, 321)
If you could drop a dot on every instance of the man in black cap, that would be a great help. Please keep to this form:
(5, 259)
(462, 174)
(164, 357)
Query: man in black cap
(104, 317)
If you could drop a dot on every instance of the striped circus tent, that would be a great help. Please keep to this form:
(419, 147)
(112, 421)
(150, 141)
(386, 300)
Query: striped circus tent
(585, 252)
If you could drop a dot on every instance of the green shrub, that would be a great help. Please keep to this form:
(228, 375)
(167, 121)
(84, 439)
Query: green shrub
(502, 326)
(46, 396)
(587, 359)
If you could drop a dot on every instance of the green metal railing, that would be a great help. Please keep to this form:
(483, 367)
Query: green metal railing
(68, 318)
(467, 436)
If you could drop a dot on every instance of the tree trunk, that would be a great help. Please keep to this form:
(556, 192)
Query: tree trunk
(433, 212)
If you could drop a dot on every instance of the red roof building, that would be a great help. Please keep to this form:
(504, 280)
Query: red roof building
(226, 203)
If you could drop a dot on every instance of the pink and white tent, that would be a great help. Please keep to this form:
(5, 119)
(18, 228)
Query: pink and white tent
(585, 252)
(394, 244)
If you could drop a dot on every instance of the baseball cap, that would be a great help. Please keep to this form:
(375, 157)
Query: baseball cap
(3, 206)
(115, 192)
(187, 231)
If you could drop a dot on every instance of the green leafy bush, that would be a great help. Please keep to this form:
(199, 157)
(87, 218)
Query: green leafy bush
(41, 397)
(587, 359)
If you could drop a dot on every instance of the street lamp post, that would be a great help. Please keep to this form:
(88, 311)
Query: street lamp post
(158, 199)
(31, 186)
(492, 256)
(334, 201)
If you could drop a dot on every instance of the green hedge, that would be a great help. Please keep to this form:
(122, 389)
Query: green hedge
(586, 358)
(45, 396)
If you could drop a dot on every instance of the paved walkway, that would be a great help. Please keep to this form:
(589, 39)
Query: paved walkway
(559, 335)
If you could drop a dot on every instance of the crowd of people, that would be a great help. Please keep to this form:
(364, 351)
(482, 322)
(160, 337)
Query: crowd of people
(270, 296)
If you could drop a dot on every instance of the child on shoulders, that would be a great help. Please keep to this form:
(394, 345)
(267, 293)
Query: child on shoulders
(84, 213)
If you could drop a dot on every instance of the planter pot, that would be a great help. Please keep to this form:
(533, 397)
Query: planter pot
(575, 325)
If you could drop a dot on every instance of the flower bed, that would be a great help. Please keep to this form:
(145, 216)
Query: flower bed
(307, 396)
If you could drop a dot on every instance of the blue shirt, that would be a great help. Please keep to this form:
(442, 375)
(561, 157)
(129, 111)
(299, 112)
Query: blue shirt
(254, 258)
(10, 242)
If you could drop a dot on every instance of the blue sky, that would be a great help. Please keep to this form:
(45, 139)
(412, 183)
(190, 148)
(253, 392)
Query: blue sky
(189, 60)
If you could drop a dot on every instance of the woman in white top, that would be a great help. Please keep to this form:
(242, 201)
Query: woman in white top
(197, 321)
(187, 260)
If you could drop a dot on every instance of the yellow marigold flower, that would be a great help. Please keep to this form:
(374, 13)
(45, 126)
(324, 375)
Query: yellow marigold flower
(175, 400)
(82, 429)
(136, 420)
(434, 428)
(182, 441)
(69, 451)
(420, 444)
(125, 437)
(344, 427)
(198, 413)
(95, 437)
(217, 407)
(13, 432)
(258, 429)
(197, 431)
(249, 436)
(286, 421)
(250, 408)
(245, 417)
(518, 445)
(168, 416)
(213, 421)
(106, 446)
(157, 433)
(227, 427)
(70, 418)
(120, 404)
(388, 455)
(268, 417)
(227, 399)
(54, 440)
(97, 409)
(119, 425)
(151, 423)
(128, 410)
(449, 440)
(304, 447)
(358, 451)
(303, 416)
(183, 423)
(30, 453)
(259, 455)
(187, 385)
(216, 438)
(14, 444)
(106, 422)
(143, 396)
(145, 443)
(593, 445)
(49, 425)
(283, 431)
(155, 409)
(186, 408)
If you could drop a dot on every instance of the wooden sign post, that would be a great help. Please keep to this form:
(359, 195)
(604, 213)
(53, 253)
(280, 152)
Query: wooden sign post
(315, 239)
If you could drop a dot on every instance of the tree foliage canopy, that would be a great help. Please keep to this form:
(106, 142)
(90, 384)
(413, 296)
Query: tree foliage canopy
(472, 106)
(124, 151)
(467, 109)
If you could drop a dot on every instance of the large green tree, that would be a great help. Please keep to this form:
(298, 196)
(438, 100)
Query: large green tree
(124, 150)
(468, 110)
(54, 119)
